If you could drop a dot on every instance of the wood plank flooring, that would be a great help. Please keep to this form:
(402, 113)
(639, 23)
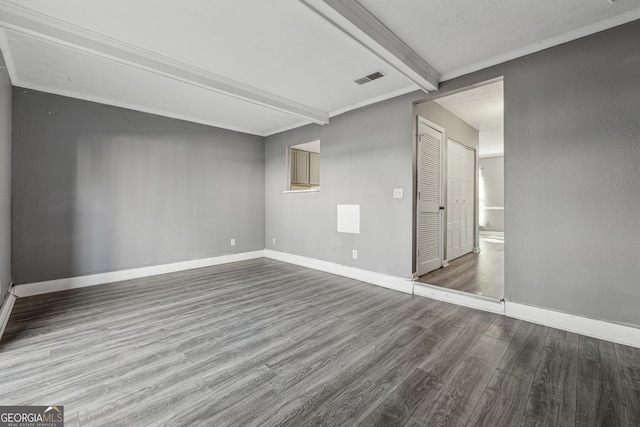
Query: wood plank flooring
(479, 273)
(263, 343)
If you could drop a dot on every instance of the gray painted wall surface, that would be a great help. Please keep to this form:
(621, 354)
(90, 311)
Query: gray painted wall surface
(99, 188)
(454, 127)
(572, 150)
(365, 154)
(493, 176)
(5, 180)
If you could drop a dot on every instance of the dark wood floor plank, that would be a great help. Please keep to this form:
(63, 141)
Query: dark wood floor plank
(503, 402)
(629, 363)
(596, 350)
(463, 385)
(563, 335)
(552, 401)
(504, 328)
(600, 399)
(367, 377)
(399, 406)
(523, 354)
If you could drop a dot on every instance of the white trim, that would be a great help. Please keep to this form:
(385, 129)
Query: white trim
(310, 190)
(371, 101)
(486, 156)
(286, 128)
(600, 329)
(493, 208)
(5, 310)
(37, 25)
(130, 106)
(426, 121)
(378, 279)
(464, 299)
(8, 57)
(37, 288)
(544, 44)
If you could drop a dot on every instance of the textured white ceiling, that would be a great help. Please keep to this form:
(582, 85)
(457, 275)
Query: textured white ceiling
(56, 69)
(285, 64)
(279, 46)
(483, 109)
(459, 36)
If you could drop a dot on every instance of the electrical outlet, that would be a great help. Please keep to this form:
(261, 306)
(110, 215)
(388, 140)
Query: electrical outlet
(397, 193)
(354, 254)
(233, 242)
(274, 241)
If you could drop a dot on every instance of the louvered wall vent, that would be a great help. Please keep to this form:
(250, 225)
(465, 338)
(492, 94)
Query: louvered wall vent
(369, 78)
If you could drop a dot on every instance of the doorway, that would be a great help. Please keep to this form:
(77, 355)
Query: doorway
(472, 251)
(429, 197)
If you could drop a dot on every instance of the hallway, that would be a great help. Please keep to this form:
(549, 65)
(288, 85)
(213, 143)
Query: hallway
(479, 273)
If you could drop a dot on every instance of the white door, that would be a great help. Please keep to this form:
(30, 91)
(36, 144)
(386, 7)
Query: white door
(430, 206)
(460, 199)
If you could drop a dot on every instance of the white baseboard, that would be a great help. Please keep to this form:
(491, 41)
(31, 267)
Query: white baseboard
(614, 332)
(452, 296)
(378, 279)
(37, 288)
(5, 310)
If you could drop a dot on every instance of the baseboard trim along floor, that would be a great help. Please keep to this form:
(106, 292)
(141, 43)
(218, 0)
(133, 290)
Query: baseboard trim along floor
(38, 288)
(5, 310)
(620, 334)
(459, 298)
(378, 279)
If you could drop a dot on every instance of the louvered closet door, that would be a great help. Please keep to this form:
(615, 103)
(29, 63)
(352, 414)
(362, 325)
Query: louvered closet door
(430, 143)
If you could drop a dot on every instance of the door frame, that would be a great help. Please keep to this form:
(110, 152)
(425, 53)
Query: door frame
(443, 188)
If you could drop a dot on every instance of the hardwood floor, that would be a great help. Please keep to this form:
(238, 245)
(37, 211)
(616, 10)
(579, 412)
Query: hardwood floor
(263, 343)
(479, 273)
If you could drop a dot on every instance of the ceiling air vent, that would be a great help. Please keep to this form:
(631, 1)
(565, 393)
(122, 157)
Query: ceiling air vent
(369, 78)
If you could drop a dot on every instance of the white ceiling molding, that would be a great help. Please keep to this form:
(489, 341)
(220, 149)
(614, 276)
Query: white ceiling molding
(377, 99)
(33, 24)
(545, 44)
(357, 22)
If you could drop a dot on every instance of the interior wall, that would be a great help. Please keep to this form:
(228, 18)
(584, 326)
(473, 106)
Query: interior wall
(365, 154)
(454, 127)
(572, 126)
(99, 188)
(5, 179)
(492, 173)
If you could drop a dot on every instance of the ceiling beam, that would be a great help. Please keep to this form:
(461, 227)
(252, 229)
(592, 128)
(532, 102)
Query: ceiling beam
(34, 24)
(353, 19)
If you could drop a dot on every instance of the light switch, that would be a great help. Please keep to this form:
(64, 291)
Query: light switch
(397, 193)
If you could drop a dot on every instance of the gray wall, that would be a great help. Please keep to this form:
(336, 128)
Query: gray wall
(493, 177)
(365, 154)
(454, 127)
(5, 180)
(572, 150)
(99, 188)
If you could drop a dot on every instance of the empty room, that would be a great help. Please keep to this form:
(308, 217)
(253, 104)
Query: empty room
(320, 212)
